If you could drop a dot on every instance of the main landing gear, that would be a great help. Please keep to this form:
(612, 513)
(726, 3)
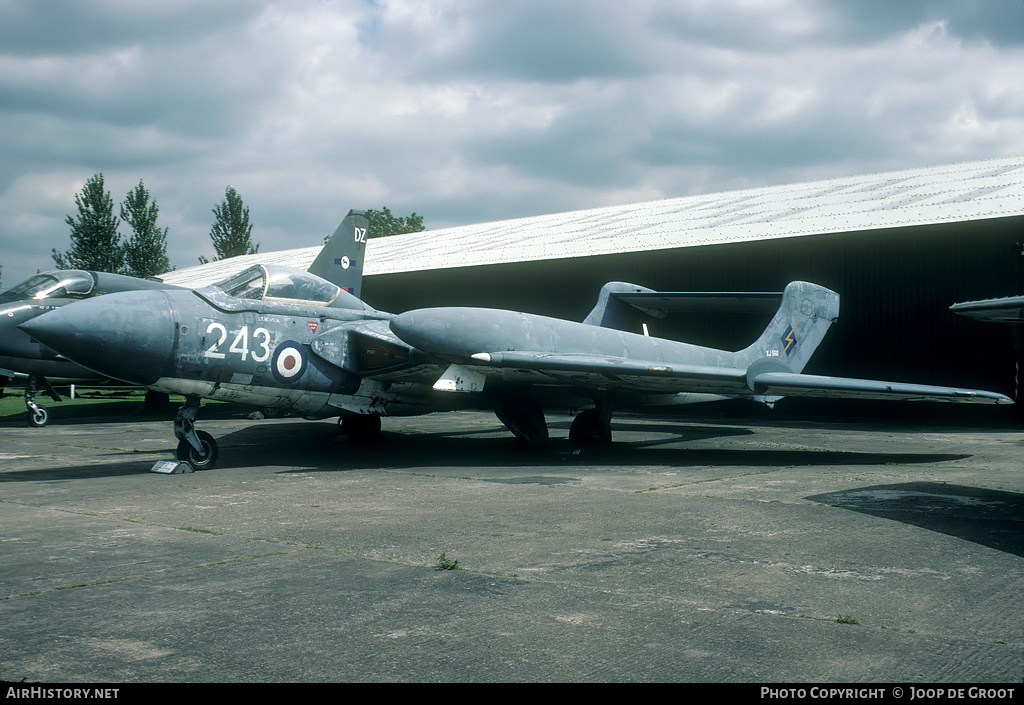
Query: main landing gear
(197, 448)
(591, 427)
(524, 417)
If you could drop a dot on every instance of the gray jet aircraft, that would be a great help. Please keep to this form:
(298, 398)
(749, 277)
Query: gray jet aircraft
(22, 354)
(340, 262)
(342, 358)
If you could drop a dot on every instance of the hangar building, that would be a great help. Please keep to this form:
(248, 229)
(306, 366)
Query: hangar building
(899, 247)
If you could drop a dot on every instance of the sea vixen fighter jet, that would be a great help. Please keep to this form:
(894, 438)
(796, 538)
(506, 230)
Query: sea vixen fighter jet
(342, 358)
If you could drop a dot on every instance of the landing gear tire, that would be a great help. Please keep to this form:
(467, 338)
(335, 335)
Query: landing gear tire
(38, 416)
(588, 430)
(524, 417)
(199, 460)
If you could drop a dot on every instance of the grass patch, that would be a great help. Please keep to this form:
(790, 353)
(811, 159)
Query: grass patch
(104, 404)
(84, 405)
(444, 563)
(198, 531)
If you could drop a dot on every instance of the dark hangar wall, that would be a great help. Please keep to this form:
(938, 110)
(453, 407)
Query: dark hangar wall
(895, 287)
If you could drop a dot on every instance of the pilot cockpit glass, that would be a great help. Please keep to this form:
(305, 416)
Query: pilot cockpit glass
(295, 285)
(266, 282)
(248, 284)
(57, 284)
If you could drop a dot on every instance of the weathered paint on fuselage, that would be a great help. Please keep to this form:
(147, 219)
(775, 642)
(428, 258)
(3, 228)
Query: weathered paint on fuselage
(22, 353)
(311, 359)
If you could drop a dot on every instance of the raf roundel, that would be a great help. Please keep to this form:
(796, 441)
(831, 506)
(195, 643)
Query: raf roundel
(289, 361)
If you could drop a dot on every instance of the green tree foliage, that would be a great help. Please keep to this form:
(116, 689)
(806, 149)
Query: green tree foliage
(95, 242)
(383, 223)
(231, 232)
(145, 253)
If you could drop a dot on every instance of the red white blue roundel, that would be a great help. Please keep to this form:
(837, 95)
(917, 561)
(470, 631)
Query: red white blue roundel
(289, 361)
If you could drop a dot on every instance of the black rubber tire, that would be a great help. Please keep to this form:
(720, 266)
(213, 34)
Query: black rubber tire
(199, 461)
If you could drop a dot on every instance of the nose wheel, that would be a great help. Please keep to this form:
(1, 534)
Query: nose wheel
(38, 415)
(201, 458)
(197, 448)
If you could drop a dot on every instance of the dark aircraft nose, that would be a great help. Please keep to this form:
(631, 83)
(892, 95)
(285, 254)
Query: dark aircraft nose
(127, 336)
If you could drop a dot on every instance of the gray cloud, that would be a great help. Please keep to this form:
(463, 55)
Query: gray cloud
(468, 110)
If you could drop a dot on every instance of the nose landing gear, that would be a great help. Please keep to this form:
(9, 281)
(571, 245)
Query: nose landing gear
(38, 415)
(197, 448)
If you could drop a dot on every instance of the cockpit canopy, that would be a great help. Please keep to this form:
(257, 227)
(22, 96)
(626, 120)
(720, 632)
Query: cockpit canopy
(275, 282)
(58, 284)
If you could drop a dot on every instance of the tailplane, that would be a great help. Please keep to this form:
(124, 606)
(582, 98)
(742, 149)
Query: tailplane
(619, 303)
(341, 260)
(612, 312)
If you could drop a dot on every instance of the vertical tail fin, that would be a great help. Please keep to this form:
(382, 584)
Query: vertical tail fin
(341, 260)
(610, 311)
(798, 327)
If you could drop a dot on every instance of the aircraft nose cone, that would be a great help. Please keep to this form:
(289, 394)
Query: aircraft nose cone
(128, 336)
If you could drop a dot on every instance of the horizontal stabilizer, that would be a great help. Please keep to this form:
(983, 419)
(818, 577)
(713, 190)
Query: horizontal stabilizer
(615, 298)
(659, 303)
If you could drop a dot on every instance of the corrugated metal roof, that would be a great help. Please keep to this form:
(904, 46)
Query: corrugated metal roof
(952, 193)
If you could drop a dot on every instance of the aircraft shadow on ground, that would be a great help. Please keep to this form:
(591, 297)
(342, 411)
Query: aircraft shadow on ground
(990, 518)
(493, 446)
(317, 446)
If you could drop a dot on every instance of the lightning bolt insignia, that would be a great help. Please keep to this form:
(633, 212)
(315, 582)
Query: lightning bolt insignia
(789, 339)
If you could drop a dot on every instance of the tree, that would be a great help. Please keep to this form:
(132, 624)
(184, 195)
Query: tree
(95, 242)
(145, 253)
(231, 232)
(382, 223)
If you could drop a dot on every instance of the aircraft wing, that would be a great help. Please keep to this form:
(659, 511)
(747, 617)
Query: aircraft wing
(791, 384)
(604, 372)
(1009, 309)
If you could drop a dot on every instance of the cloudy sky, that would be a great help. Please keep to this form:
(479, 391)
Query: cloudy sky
(467, 111)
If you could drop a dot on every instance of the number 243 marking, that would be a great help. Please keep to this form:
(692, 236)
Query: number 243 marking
(240, 345)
